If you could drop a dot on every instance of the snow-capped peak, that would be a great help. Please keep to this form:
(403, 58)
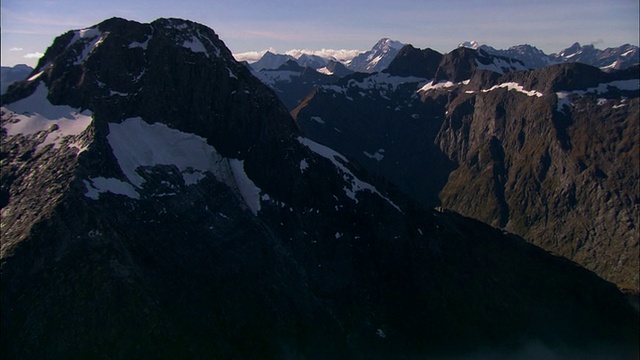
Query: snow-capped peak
(385, 44)
(470, 44)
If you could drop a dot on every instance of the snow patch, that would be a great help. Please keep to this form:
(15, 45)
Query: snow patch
(441, 85)
(248, 190)
(317, 119)
(564, 97)
(142, 45)
(378, 155)
(136, 143)
(35, 76)
(96, 186)
(517, 87)
(563, 100)
(195, 45)
(501, 66)
(94, 38)
(304, 165)
(324, 70)
(35, 113)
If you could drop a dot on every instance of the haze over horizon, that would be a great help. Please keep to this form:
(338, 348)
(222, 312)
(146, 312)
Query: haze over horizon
(29, 26)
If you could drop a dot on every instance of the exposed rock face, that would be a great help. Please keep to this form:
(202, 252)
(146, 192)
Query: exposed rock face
(159, 202)
(550, 154)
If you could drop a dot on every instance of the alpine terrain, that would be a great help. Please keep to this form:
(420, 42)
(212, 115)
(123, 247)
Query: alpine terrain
(158, 201)
(550, 154)
(608, 59)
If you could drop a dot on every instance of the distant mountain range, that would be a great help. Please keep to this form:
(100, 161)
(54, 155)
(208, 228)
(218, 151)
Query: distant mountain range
(608, 59)
(293, 83)
(550, 154)
(385, 50)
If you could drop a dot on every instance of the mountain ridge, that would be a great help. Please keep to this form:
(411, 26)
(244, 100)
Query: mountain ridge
(416, 135)
(161, 202)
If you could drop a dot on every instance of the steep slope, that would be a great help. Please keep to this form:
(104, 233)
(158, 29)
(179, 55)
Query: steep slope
(559, 161)
(549, 154)
(159, 202)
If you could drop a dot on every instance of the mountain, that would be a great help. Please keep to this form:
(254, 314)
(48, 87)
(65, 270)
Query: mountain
(609, 59)
(415, 62)
(293, 82)
(336, 68)
(158, 201)
(459, 64)
(9, 75)
(549, 154)
(376, 59)
(313, 61)
(271, 61)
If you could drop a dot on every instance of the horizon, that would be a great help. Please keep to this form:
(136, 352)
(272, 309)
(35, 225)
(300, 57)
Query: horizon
(30, 26)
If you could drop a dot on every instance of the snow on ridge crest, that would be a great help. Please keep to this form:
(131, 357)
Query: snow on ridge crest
(441, 85)
(515, 86)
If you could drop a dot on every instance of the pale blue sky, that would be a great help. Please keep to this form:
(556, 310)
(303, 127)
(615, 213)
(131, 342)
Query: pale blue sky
(29, 26)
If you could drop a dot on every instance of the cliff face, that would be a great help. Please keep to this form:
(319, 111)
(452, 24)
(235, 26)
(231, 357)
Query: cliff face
(559, 169)
(549, 154)
(159, 202)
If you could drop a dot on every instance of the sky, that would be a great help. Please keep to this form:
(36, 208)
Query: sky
(28, 27)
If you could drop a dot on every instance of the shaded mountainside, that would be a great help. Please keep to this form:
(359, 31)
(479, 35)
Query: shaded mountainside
(159, 202)
(550, 154)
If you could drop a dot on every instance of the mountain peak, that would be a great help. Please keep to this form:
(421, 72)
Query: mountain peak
(415, 62)
(388, 43)
(470, 44)
(378, 58)
(117, 69)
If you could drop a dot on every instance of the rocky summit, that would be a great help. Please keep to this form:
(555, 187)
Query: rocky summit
(158, 201)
